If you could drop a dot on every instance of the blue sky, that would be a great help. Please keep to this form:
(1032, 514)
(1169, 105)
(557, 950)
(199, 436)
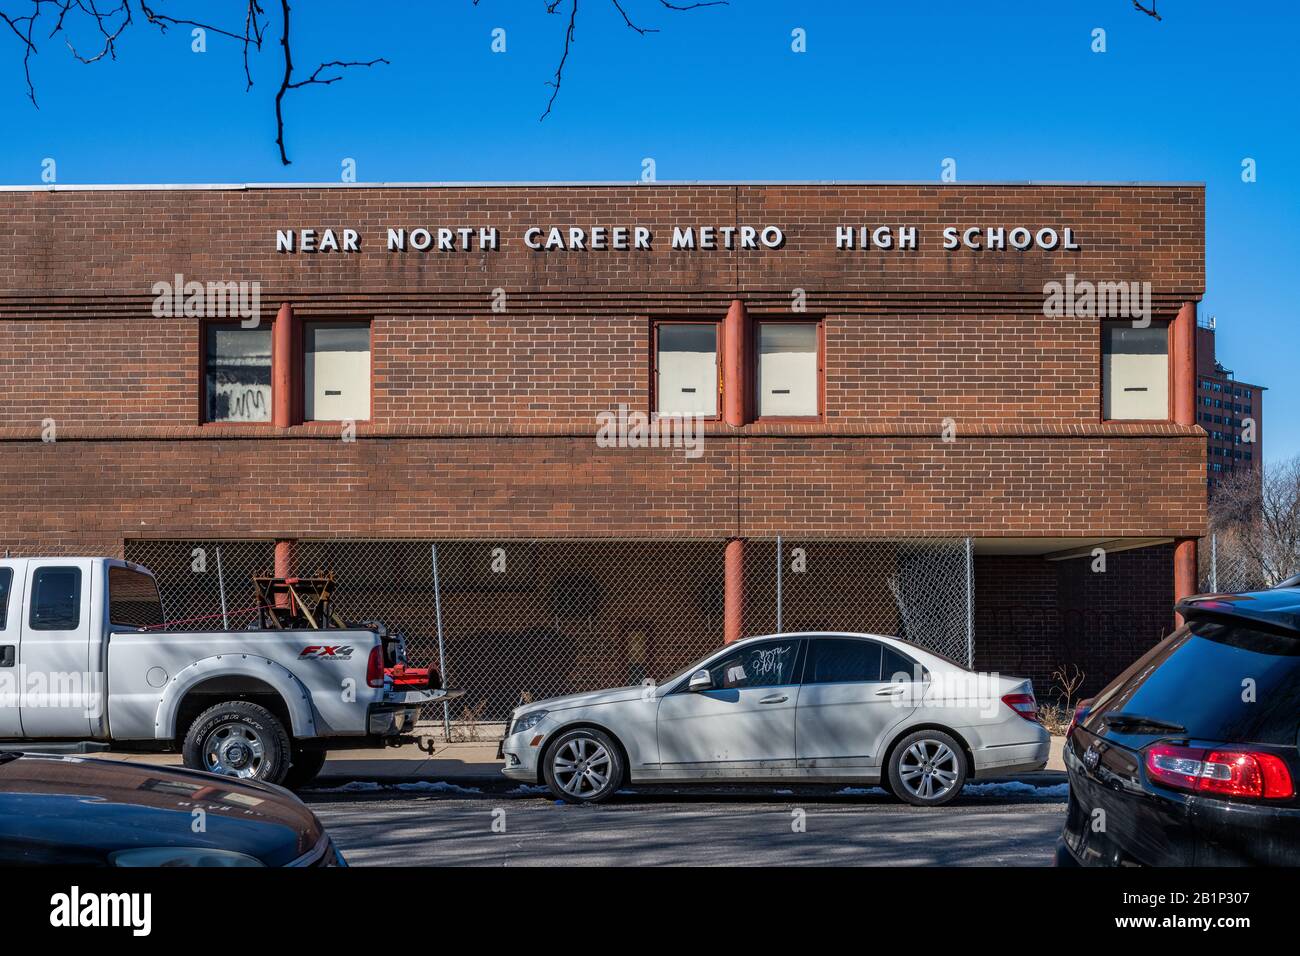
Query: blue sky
(1011, 90)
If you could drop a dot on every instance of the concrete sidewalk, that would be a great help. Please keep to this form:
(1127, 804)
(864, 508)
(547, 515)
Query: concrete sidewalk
(450, 762)
(460, 762)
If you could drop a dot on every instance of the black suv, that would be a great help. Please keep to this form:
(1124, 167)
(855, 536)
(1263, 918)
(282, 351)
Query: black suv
(1189, 758)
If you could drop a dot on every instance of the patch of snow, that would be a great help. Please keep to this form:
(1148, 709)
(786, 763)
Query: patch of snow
(434, 786)
(859, 791)
(529, 789)
(1016, 788)
(355, 786)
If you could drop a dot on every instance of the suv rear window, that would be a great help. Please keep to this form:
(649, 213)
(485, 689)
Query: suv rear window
(1221, 682)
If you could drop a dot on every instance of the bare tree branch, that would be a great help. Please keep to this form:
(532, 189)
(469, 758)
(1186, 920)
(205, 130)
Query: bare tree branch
(112, 23)
(1255, 513)
(254, 30)
(288, 83)
(693, 6)
(110, 39)
(29, 46)
(553, 5)
(564, 57)
(1152, 12)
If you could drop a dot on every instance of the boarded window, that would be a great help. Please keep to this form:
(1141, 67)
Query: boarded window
(1135, 372)
(788, 369)
(336, 371)
(687, 367)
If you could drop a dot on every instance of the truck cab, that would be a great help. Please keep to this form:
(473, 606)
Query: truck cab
(55, 616)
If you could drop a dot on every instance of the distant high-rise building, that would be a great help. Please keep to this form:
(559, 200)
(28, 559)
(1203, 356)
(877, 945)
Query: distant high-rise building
(1230, 411)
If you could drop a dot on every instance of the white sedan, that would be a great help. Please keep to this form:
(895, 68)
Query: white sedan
(809, 707)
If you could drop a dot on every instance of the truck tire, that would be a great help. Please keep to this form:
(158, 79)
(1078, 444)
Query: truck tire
(306, 765)
(241, 739)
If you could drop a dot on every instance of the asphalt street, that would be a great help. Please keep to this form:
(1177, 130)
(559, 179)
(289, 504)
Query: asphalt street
(441, 825)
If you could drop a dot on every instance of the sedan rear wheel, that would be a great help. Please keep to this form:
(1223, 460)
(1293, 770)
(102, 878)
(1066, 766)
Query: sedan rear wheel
(927, 769)
(583, 766)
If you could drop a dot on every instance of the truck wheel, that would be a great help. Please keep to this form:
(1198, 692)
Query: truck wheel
(306, 765)
(238, 739)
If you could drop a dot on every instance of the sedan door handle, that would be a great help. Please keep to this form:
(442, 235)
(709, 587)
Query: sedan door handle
(774, 700)
(890, 691)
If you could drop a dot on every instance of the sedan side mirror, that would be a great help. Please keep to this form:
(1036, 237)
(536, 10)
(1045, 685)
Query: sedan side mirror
(701, 680)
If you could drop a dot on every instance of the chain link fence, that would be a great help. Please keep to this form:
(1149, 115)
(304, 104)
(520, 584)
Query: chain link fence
(514, 620)
(1226, 567)
(205, 585)
(918, 589)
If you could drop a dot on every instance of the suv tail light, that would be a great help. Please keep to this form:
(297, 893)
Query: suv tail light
(1023, 704)
(1228, 773)
(1079, 713)
(375, 667)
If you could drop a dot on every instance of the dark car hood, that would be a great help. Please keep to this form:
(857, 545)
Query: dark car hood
(76, 810)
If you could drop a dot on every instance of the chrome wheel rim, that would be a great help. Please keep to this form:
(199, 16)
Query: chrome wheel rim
(234, 750)
(582, 767)
(929, 769)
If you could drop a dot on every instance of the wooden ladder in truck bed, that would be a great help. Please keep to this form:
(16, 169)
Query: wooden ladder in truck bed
(307, 604)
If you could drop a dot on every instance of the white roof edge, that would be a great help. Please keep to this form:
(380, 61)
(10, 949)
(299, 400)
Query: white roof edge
(523, 184)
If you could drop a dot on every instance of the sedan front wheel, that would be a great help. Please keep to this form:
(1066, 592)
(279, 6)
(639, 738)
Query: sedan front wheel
(583, 766)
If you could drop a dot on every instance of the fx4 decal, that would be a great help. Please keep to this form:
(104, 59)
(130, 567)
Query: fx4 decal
(338, 652)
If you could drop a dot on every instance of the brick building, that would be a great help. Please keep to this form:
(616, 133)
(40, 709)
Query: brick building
(1230, 411)
(879, 383)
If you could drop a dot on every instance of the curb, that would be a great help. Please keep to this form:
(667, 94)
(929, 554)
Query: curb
(332, 784)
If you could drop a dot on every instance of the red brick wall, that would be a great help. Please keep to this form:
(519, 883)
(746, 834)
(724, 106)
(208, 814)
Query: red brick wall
(123, 241)
(1008, 486)
(1033, 615)
(563, 487)
(912, 337)
(110, 373)
(532, 369)
(484, 423)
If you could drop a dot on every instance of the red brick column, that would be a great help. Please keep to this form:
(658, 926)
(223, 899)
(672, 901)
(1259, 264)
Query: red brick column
(1185, 570)
(735, 388)
(733, 602)
(284, 398)
(735, 380)
(1186, 573)
(1184, 362)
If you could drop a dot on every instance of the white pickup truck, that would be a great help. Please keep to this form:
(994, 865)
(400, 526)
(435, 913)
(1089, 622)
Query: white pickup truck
(83, 664)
